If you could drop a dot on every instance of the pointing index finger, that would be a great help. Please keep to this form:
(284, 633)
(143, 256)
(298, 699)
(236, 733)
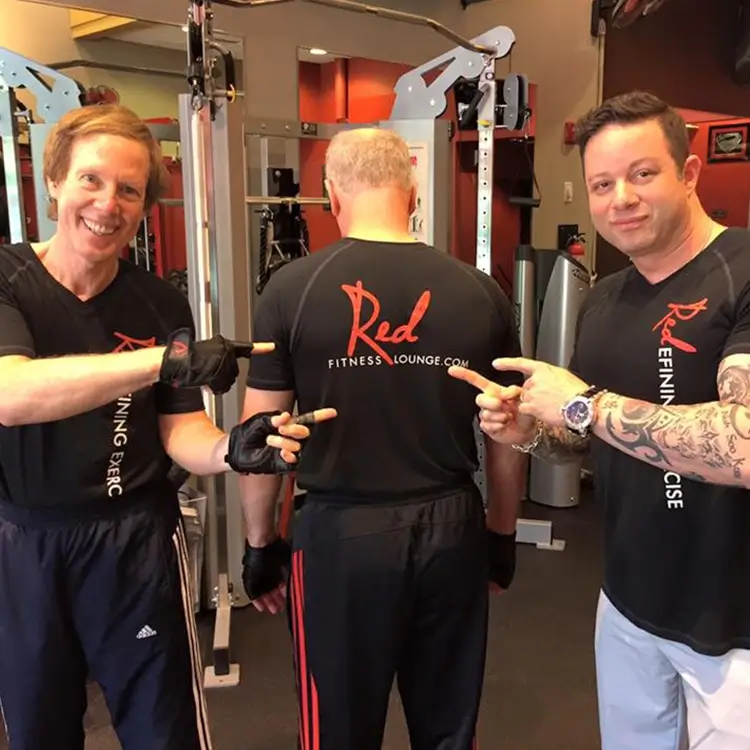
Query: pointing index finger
(247, 348)
(471, 377)
(516, 364)
(315, 417)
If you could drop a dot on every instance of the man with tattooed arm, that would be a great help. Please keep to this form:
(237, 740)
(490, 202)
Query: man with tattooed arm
(658, 389)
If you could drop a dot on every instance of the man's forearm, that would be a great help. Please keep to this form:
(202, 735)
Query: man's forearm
(560, 445)
(506, 482)
(705, 442)
(46, 390)
(199, 447)
(260, 493)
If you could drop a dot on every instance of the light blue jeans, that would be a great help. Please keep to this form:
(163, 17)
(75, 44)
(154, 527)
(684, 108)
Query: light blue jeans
(656, 694)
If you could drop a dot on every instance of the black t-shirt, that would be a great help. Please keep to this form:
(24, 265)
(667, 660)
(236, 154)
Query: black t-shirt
(108, 453)
(677, 550)
(370, 328)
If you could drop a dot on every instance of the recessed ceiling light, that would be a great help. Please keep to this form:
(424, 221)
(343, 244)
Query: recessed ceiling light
(317, 51)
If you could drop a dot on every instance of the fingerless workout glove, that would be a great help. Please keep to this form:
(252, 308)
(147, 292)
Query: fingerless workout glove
(265, 568)
(502, 557)
(248, 452)
(213, 362)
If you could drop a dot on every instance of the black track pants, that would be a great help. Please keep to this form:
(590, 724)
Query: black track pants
(378, 592)
(105, 597)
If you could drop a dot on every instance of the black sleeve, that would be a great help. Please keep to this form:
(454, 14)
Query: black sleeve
(273, 371)
(507, 343)
(738, 341)
(15, 337)
(588, 302)
(170, 400)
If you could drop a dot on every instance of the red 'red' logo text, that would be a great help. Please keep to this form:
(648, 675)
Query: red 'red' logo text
(129, 344)
(361, 330)
(669, 321)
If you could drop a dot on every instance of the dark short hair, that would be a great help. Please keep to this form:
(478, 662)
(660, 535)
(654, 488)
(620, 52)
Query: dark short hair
(631, 108)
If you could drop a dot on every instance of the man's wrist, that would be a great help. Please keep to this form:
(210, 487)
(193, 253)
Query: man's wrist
(220, 452)
(261, 537)
(602, 404)
(532, 441)
(152, 358)
(503, 528)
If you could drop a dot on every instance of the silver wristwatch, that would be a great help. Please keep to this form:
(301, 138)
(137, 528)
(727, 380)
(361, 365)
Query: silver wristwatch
(579, 413)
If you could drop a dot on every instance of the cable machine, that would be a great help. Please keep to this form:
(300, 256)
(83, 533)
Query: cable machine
(416, 103)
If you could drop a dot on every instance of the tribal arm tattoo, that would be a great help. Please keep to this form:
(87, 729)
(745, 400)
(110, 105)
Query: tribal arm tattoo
(706, 442)
(559, 445)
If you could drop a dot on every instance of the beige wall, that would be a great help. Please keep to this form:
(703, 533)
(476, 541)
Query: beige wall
(150, 95)
(553, 48)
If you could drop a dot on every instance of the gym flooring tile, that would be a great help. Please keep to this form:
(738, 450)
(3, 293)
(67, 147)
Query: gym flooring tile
(540, 691)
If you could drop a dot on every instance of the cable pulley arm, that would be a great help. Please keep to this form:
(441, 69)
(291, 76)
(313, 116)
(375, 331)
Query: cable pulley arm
(53, 99)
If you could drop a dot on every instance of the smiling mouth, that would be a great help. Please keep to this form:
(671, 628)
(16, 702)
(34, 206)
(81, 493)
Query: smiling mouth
(629, 223)
(100, 230)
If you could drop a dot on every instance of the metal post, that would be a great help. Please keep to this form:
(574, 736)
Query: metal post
(524, 299)
(196, 144)
(12, 164)
(38, 132)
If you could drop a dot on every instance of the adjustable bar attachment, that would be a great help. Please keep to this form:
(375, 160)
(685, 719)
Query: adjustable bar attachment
(393, 15)
(273, 200)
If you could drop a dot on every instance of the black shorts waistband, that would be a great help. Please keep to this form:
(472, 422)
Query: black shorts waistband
(389, 498)
(75, 513)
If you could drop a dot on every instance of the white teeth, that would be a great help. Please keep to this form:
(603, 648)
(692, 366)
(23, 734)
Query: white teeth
(99, 229)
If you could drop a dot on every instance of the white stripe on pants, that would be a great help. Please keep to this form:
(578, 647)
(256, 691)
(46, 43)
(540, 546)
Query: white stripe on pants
(183, 560)
(651, 690)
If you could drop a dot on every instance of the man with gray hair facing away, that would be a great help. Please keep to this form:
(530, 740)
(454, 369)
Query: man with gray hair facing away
(392, 553)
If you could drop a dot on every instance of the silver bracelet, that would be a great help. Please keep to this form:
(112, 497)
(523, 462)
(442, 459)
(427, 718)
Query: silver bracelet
(534, 444)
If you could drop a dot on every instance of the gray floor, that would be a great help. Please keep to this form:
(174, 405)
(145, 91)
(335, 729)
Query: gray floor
(539, 690)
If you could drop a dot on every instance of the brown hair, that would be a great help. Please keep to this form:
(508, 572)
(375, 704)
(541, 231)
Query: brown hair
(101, 119)
(635, 107)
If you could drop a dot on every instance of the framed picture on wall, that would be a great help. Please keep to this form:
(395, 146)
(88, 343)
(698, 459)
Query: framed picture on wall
(728, 143)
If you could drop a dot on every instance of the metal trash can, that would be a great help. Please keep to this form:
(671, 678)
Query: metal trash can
(193, 508)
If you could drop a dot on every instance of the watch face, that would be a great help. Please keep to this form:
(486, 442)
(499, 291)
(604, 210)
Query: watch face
(578, 413)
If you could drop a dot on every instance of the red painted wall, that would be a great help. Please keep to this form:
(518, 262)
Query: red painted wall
(316, 104)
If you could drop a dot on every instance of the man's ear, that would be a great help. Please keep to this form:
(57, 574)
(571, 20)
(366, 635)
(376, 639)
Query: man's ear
(52, 189)
(333, 197)
(691, 172)
(413, 199)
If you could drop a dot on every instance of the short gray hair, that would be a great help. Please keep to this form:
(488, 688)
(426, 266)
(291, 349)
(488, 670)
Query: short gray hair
(369, 158)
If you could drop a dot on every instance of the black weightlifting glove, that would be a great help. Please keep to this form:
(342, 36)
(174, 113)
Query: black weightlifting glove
(213, 362)
(265, 568)
(248, 452)
(502, 557)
